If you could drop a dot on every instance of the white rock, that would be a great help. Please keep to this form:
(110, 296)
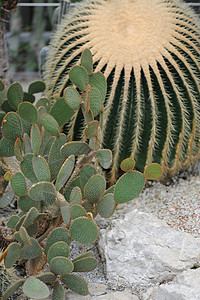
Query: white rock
(139, 249)
(185, 286)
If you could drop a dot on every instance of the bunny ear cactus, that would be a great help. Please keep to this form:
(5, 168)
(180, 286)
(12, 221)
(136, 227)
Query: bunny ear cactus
(149, 54)
(58, 188)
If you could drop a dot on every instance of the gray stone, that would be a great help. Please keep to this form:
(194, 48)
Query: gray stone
(185, 286)
(139, 249)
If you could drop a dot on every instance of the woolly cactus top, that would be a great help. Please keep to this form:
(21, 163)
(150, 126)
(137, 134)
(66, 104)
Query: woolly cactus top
(156, 45)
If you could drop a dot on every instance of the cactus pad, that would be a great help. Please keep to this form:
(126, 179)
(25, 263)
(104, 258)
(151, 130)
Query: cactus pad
(127, 164)
(86, 173)
(75, 196)
(50, 124)
(18, 184)
(106, 206)
(33, 251)
(47, 277)
(6, 148)
(30, 217)
(12, 288)
(76, 148)
(12, 222)
(79, 76)
(64, 208)
(35, 139)
(83, 255)
(87, 62)
(58, 249)
(6, 199)
(128, 187)
(36, 87)
(85, 264)
(28, 112)
(58, 234)
(72, 98)
(12, 126)
(153, 171)
(41, 168)
(18, 149)
(91, 129)
(14, 252)
(61, 112)
(76, 284)
(98, 81)
(35, 288)
(95, 188)
(95, 100)
(61, 265)
(45, 103)
(77, 210)
(24, 236)
(104, 157)
(43, 191)
(65, 172)
(25, 203)
(84, 231)
(27, 167)
(2, 92)
(15, 95)
(58, 292)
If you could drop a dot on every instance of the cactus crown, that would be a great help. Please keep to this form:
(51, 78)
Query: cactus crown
(149, 54)
(58, 188)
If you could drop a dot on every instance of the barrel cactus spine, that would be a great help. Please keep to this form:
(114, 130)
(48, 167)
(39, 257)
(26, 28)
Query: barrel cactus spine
(149, 54)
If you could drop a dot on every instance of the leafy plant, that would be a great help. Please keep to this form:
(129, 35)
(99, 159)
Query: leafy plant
(59, 190)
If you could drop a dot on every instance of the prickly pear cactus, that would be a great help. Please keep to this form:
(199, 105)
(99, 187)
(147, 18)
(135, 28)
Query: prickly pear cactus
(58, 188)
(149, 54)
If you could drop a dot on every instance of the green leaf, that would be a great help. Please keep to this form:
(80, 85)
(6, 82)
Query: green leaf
(43, 191)
(28, 112)
(33, 251)
(57, 234)
(153, 171)
(26, 202)
(61, 112)
(28, 97)
(41, 168)
(65, 172)
(15, 95)
(64, 208)
(95, 188)
(27, 167)
(14, 252)
(13, 222)
(77, 211)
(127, 164)
(44, 102)
(106, 206)
(72, 98)
(86, 173)
(50, 124)
(6, 148)
(95, 101)
(75, 148)
(91, 130)
(85, 264)
(35, 288)
(104, 157)
(18, 146)
(18, 184)
(76, 284)
(86, 61)
(75, 196)
(98, 81)
(128, 187)
(58, 292)
(83, 230)
(27, 144)
(58, 249)
(36, 87)
(35, 139)
(61, 265)
(12, 126)
(79, 76)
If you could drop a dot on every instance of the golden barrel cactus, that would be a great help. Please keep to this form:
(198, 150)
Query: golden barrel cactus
(149, 52)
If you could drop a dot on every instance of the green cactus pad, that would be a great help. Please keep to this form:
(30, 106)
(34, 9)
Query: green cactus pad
(95, 101)
(61, 265)
(58, 292)
(28, 97)
(26, 167)
(2, 92)
(90, 208)
(104, 157)
(61, 112)
(85, 264)
(83, 255)
(69, 188)
(98, 81)
(65, 172)
(12, 126)
(47, 141)
(91, 129)
(13, 221)
(78, 211)
(75, 283)
(50, 124)
(58, 249)
(33, 251)
(17, 237)
(96, 142)
(95, 188)
(56, 159)
(72, 98)
(7, 176)
(110, 190)
(18, 184)
(12, 288)
(64, 208)
(153, 171)
(41, 168)
(76, 148)
(128, 187)
(18, 146)
(35, 139)
(15, 95)
(86, 61)
(75, 196)
(83, 230)
(19, 223)
(27, 144)
(33, 229)
(14, 252)
(127, 164)
(86, 173)
(25, 203)
(6, 107)
(35, 288)
(24, 236)
(26, 126)
(36, 87)
(41, 111)
(47, 277)
(45, 103)
(79, 76)
(43, 191)
(58, 234)
(6, 199)
(106, 206)
(30, 217)
(6, 148)
(28, 112)
(88, 116)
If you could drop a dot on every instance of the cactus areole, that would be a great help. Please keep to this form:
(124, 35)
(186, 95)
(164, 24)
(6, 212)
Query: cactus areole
(149, 52)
